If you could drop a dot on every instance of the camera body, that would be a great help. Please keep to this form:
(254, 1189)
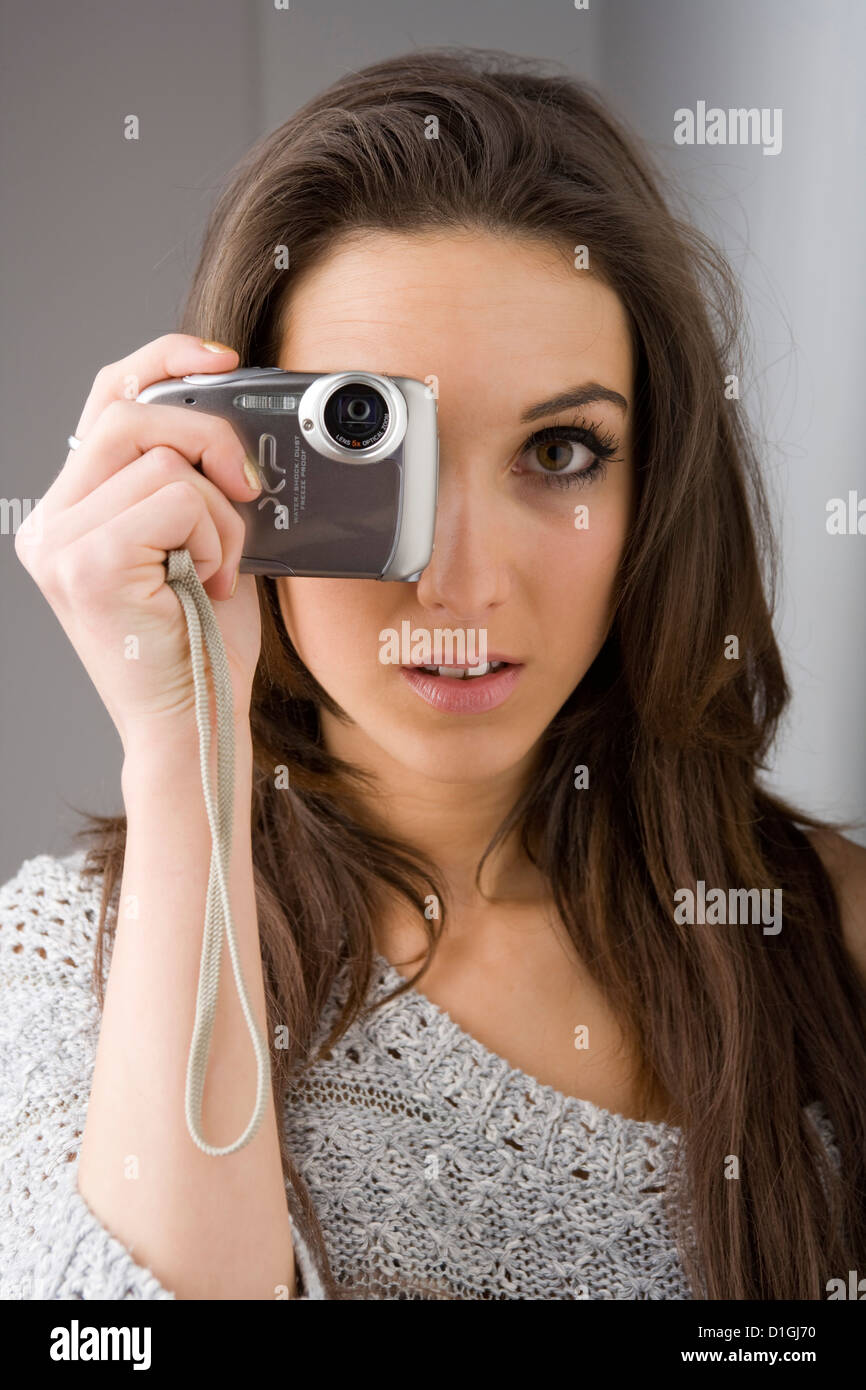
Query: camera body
(349, 463)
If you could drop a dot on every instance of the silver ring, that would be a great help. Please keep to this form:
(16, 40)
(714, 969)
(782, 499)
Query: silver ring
(74, 442)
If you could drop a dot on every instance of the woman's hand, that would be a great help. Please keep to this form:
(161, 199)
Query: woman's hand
(96, 542)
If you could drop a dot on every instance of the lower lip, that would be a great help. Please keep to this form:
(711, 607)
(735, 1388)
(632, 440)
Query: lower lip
(463, 695)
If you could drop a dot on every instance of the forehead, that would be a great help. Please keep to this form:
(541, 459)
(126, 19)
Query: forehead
(466, 304)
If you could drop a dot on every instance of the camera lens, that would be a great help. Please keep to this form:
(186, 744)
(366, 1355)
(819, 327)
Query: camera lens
(356, 415)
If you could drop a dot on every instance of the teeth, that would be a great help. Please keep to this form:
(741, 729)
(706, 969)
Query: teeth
(464, 672)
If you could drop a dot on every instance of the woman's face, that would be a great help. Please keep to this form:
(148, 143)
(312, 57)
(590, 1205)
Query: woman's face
(501, 325)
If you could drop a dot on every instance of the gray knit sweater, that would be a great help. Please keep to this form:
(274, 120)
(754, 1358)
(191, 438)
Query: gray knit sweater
(428, 1157)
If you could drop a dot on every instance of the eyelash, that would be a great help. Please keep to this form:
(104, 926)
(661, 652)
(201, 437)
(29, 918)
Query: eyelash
(602, 444)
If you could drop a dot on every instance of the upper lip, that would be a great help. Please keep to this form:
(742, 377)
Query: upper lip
(491, 656)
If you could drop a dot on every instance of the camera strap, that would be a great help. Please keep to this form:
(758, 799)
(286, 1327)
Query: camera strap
(201, 620)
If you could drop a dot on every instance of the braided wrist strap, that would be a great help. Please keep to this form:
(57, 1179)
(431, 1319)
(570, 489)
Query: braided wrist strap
(201, 619)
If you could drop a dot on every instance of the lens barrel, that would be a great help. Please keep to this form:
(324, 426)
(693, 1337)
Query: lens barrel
(356, 415)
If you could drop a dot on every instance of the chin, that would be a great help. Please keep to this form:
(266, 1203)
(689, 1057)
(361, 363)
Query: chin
(465, 754)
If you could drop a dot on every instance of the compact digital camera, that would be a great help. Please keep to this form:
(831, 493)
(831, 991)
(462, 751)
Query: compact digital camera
(349, 463)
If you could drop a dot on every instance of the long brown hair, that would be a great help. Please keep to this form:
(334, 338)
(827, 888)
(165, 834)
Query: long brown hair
(741, 1030)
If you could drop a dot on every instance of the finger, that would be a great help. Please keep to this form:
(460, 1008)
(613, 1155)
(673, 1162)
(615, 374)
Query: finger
(174, 518)
(174, 354)
(148, 474)
(127, 429)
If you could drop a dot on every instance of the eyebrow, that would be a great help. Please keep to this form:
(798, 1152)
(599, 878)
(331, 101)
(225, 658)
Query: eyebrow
(580, 395)
(565, 400)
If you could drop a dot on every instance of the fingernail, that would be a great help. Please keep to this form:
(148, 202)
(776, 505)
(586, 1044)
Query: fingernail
(235, 583)
(251, 474)
(214, 346)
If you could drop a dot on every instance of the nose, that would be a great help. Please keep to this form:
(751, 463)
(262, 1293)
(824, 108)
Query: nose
(469, 570)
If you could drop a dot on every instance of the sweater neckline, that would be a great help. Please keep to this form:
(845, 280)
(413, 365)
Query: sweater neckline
(424, 1013)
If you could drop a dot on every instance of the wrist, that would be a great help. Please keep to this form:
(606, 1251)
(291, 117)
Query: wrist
(173, 750)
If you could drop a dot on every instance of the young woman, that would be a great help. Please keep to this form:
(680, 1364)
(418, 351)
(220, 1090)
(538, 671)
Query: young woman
(504, 1064)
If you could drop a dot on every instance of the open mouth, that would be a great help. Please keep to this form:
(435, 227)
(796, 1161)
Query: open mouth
(464, 689)
(463, 672)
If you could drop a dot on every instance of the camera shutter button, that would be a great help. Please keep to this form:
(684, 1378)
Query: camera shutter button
(210, 378)
(240, 374)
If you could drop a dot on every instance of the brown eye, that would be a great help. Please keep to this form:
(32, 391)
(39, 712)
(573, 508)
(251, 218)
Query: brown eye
(562, 457)
(565, 455)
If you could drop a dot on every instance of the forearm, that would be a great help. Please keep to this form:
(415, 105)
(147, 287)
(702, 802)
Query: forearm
(209, 1227)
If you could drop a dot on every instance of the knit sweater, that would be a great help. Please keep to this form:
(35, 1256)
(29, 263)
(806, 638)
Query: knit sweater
(430, 1159)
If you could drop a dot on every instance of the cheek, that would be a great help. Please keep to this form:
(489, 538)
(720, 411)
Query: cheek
(329, 620)
(574, 587)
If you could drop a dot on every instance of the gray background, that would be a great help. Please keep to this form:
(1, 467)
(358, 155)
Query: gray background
(100, 236)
